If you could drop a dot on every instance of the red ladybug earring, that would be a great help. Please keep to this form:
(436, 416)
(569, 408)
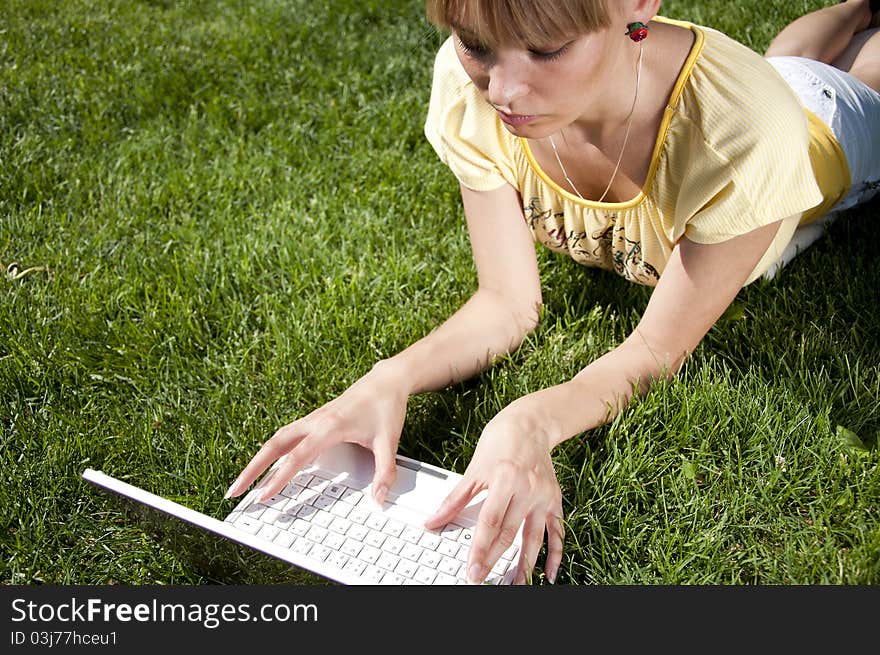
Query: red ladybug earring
(637, 31)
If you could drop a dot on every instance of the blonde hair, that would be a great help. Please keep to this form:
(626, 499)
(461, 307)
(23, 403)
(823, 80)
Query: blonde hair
(527, 23)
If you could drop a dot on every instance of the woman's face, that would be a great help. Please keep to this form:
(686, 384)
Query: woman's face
(538, 91)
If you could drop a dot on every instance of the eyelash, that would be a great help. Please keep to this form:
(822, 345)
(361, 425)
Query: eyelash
(479, 53)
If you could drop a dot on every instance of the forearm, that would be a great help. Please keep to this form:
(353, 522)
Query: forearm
(597, 393)
(485, 327)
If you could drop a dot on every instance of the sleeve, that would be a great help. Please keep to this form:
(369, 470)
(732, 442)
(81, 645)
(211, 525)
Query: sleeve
(748, 149)
(464, 130)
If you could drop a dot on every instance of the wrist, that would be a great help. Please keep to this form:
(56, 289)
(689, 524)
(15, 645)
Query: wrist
(391, 374)
(535, 412)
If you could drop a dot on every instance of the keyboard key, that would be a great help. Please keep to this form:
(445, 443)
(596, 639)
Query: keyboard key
(444, 579)
(318, 483)
(352, 547)
(373, 574)
(358, 532)
(278, 501)
(248, 524)
(286, 520)
(270, 515)
(425, 575)
(411, 534)
(376, 521)
(301, 546)
(394, 528)
(307, 496)
(323, 502)
(300, 528)
(448, 548)
(284, 539)
(354, 566)
(337, 559)
(352, 496)
(316, 533)
(307, 512)
(429, 540)
(411, 552)
(268, 532)
(369, 554)
(449, 566)
(255, 510)
(292, 490)
(324, 519)
(319, 552)
(406, 568)
(451, 531)
(375, 538)
(335, 490)
(340, 526)
(388, 561)
(392, 545)
(430, 558)
(333, 541)
(393, 579)
(466, 535)
(341, 509)
(302, 479)
(358, 515)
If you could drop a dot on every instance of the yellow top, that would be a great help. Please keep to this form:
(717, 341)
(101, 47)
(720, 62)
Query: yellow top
(735, 151)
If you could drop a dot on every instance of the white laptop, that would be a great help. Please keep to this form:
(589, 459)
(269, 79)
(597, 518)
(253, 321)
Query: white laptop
(325, 521)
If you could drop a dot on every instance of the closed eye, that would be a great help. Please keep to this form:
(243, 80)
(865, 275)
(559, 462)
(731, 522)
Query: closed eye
(474, 50)
(551, 55)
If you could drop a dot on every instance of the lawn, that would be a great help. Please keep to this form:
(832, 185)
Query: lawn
(216, 215)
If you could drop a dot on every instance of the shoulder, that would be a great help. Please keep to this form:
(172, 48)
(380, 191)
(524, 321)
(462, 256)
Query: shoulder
(739, 98)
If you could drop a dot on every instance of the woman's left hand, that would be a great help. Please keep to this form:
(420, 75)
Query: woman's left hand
(512, 462)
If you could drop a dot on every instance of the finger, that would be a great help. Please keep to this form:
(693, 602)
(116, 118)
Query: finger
(532, 538)
(490, 521)
(386, 468)
(291, 464)
(280, 443)
(517, 507)
(555, 538)
(454, 502)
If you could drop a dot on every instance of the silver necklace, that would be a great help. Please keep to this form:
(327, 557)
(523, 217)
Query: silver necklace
(625, 137)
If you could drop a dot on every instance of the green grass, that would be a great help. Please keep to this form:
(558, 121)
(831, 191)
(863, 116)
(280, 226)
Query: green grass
(239, 214)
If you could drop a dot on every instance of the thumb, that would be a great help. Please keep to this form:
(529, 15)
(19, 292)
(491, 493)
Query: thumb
(385, 474)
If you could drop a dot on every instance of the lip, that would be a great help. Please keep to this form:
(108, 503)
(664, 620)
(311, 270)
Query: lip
(516, 120)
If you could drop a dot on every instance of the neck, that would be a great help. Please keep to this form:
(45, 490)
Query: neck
(608, 111)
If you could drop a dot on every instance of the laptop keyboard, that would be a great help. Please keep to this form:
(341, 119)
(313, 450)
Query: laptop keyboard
(340, 525)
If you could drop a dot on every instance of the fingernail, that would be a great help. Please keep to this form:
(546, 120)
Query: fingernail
(379, 494)
(232, 489)
(475, 574)
(551, 576)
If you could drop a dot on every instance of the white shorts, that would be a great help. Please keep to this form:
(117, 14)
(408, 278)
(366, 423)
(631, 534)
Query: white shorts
(851, 109)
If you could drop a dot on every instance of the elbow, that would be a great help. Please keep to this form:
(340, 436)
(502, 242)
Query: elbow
(527, 316)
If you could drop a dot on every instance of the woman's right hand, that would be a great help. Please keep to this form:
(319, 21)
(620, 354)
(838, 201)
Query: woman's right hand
(369, 413)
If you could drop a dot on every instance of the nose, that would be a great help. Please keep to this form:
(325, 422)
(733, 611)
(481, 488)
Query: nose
(507, 82)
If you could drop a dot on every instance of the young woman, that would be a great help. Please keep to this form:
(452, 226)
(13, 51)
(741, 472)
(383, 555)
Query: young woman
(658, 149)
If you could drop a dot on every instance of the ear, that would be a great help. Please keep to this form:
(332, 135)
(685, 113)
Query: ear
(646, 10)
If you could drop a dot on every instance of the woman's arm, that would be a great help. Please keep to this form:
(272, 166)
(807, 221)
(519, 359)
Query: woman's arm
(503, 310)
(698, 284)
(512, 458)
(493, 322)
